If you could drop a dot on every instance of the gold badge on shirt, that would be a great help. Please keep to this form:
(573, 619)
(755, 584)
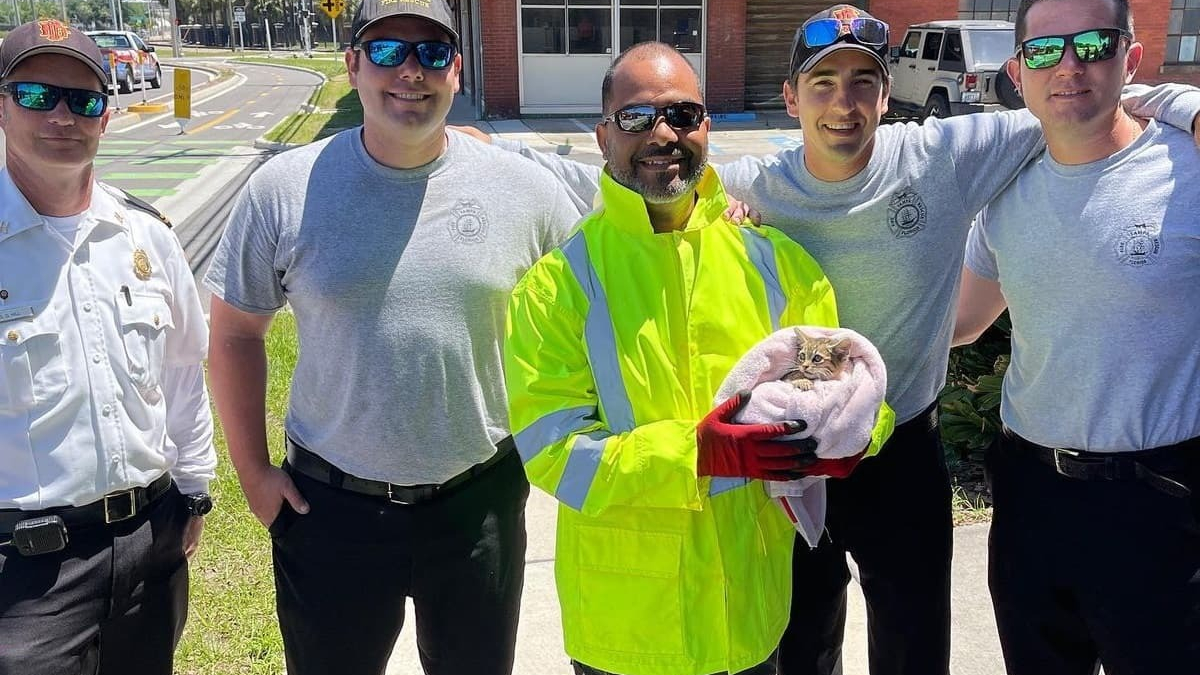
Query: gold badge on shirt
(141, 264)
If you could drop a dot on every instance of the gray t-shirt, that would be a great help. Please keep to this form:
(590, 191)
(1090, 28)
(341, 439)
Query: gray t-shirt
(399, 279)
(891, 238)
(1100, 265)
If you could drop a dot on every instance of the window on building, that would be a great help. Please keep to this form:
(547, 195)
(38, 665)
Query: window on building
(1183, 32)
(566, 27)
(675, 22)
(1004, 10)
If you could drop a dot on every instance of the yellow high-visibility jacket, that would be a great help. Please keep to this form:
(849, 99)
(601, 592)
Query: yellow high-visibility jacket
(616, 344)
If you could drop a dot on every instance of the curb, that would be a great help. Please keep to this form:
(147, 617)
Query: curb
(261, 142)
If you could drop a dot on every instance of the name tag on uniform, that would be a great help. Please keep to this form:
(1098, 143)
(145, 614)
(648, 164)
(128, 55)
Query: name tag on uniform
(11, 313)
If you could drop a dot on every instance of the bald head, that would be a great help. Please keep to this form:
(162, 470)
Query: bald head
(647, 51)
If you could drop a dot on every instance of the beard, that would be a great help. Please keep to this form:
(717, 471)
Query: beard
(664, 188)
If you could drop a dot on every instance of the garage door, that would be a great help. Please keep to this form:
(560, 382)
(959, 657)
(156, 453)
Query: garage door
(770, 25)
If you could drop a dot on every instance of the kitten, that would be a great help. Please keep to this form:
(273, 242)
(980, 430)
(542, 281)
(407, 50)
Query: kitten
(817, 358)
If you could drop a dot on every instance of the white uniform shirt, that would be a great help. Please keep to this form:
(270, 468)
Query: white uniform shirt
(101, 344)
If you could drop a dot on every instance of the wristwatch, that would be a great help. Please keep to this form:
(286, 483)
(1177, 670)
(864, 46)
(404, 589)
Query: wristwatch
(198, 504)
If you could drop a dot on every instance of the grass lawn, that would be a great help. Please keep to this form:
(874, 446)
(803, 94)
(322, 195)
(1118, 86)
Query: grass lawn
(337, 105)
(231, 625)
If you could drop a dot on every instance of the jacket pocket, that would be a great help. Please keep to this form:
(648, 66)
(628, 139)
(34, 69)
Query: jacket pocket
(145, 318)
(32, 362)
(630, 591)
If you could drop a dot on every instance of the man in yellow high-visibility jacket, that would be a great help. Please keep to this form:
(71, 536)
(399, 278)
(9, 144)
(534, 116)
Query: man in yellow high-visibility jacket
(671, 559)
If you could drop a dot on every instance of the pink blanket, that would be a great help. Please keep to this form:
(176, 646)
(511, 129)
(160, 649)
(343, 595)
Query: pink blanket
(840, 413)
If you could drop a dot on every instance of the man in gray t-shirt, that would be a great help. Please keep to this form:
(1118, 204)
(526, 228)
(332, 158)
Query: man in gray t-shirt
(886, 211)
(396, 245)
(1095, 250)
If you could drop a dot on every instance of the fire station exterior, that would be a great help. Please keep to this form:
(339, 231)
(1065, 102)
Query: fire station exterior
(548, 57)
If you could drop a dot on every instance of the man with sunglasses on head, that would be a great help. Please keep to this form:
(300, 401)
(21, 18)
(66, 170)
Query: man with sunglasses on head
(396, 246)
(105, 432)
(886, 211)
(671, 559)
(1094, 552)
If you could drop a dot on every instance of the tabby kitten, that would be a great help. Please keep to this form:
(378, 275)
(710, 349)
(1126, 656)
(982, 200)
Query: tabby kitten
(817, 358)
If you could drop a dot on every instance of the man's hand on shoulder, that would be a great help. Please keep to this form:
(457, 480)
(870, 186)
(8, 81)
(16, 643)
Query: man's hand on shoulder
(476, 133)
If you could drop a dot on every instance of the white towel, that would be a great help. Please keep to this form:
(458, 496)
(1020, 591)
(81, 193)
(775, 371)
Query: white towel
(840, 413)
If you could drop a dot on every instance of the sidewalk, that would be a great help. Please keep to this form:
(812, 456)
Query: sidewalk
(975, 649)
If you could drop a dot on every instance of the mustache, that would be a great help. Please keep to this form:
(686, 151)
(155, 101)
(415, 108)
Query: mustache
(664, 151)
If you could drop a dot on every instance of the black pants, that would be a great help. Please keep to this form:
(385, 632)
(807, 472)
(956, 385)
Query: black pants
(112, 602)
(343, 571)
(767, 668)
(1087, 571)
(893, 515)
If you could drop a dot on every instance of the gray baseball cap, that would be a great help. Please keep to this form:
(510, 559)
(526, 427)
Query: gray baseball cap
(436, 11)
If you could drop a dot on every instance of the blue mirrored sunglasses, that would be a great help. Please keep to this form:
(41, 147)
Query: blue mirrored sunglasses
(44, 97)
(823, 32)
(392, 52)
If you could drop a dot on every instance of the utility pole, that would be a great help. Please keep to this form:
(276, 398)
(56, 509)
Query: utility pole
(176, 48)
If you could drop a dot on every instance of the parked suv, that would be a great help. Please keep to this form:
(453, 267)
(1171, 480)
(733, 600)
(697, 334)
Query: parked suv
(954, 67)
(136, 60)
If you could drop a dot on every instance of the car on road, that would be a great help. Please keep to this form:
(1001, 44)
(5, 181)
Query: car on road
(135, 60)
(948, 68)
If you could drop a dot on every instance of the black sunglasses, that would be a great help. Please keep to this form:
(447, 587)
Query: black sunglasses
(635, 119)
(43, 97)
(1096, 44)
(392, 52)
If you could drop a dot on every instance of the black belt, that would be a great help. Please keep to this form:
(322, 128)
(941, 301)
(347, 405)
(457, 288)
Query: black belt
(310, 464)
(112, 508)
(1084, 465)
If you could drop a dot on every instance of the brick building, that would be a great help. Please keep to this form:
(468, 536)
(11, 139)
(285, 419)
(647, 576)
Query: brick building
(530, 57)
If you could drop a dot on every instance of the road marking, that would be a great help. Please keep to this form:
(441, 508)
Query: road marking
(151, 192)
(241, 79)
(585, 127)
(213, 123)
(200, 141)
(149, 175)
(156, 161)
(123, 141)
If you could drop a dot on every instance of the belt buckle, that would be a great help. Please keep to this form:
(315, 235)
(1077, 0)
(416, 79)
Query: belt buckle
(1058, 454)
(421, 493)
(115, 515)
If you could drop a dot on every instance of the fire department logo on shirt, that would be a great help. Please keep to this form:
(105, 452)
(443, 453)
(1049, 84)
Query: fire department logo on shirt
(1139, 244)
(52, 30)
(906, 213)
(469, 222)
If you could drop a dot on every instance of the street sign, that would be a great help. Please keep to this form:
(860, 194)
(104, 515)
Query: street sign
(239, 14)
(183, 94)
(332, 8)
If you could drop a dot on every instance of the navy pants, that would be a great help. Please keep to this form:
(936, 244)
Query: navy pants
(1094, 571)
(893, 516)
(112, 602)
(344, 570)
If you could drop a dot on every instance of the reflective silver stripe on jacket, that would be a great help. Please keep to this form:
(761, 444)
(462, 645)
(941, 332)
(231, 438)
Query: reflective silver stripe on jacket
(551, 428)
(762, 254)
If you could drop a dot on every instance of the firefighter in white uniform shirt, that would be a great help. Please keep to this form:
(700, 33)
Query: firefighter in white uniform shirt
(105, 432)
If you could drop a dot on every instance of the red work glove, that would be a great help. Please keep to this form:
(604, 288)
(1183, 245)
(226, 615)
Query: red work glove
(725, 448)
(834, 468)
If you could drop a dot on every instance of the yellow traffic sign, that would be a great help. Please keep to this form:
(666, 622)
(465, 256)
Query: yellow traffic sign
(332, 8)
(183, 93)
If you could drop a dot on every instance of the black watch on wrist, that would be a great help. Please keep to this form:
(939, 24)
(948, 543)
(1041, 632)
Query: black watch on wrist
(198, 504)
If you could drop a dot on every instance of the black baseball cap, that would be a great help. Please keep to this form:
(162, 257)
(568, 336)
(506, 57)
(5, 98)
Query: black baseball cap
(49, 36)
(436, 11)
(836, 28)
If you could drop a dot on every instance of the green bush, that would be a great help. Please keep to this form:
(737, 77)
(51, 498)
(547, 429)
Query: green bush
(970, 402)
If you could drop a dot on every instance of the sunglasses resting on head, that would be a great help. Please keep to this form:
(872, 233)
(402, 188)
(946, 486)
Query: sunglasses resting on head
(636, 119)
(392, 52)
(1096, 44)
(44, 97)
